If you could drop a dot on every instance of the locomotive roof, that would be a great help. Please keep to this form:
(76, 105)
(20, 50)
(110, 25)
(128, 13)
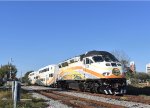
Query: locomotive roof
(91, 53)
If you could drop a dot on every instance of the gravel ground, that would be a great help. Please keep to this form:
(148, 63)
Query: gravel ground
(37, 88)
(50, 102)
(109, 100)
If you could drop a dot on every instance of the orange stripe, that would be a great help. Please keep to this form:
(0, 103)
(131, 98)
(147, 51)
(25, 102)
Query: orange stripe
(86, 70)
(50, 81)
(101, 76)
(114, 76)
(92, 72)
(77, 67)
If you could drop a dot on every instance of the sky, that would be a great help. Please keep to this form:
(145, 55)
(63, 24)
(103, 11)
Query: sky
(36, 34)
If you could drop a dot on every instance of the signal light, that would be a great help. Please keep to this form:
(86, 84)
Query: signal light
(106, 73)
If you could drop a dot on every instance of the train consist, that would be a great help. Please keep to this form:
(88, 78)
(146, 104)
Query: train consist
(95, 71)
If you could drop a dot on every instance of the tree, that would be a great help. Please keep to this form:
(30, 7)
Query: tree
(142, 77)
(7, 71)
(123, 58)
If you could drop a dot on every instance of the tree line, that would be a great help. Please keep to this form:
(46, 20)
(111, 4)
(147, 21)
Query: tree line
(133, 76)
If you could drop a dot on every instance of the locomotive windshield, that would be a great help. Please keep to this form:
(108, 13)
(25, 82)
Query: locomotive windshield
(107, 58)
(110, 58)
(97, 58)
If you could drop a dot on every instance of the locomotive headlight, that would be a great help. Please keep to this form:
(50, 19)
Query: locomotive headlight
(107, 64)
(106, 73)
(116, 71)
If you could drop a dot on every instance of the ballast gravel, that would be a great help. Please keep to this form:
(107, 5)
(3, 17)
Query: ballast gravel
(52, 103)
(109, 100)
(57, 104)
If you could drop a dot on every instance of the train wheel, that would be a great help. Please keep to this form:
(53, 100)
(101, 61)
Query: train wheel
(91, 85)
(82, 87)
(99, 89)
(93, 88)
(96, 87)
(65, 86)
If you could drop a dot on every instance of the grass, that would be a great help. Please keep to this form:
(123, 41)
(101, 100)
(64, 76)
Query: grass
(7, 102)
(5, 94)
(145, 97)
(124, 98)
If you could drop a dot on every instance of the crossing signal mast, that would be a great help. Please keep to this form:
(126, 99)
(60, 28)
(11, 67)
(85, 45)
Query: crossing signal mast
(10, 68)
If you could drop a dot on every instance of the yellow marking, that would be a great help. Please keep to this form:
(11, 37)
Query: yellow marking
(69, 70)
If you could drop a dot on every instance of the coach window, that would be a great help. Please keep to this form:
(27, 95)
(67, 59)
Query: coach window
(36, 77)
(59, 66)
(72, 61)
(50, 75)
(64, 64)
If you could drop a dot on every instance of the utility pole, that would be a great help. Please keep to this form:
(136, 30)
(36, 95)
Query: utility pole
(10, 71)
(10, 67)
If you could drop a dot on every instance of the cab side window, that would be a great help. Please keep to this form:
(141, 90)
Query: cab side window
(88, 61)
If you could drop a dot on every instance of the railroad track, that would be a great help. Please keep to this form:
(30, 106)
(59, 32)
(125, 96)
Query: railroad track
(140, 99)
(91, 100)
(77, 101)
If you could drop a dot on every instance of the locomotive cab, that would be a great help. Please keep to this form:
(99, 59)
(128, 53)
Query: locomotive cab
(107, 73)
(104, 66)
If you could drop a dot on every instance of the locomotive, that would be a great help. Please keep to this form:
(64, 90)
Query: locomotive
(94, 71)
